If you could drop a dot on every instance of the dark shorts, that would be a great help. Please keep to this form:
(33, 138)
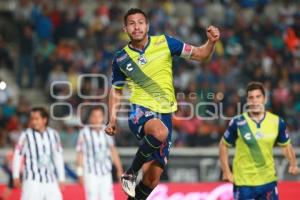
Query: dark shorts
(268, 191)
(138, 116)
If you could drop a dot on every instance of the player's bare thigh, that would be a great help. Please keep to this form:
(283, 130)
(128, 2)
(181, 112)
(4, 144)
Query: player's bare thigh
(151, 173)
(156, 128)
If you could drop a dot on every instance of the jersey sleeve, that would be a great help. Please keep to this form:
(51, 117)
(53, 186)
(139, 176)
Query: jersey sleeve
(110, 140)
(175, 45)
(80, 142)
(283, 137)
(18, 153)
(58, 158)
(118, 77)
(230, 134)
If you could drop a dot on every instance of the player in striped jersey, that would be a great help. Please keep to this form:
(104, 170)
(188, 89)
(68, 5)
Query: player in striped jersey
(41, 150)
(96, 153)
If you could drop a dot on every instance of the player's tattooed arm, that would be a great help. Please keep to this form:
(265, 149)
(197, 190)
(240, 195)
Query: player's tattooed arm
(204, 51)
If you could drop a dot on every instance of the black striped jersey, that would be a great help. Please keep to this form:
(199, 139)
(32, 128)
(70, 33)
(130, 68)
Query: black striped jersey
(41, 154)
(95, 146)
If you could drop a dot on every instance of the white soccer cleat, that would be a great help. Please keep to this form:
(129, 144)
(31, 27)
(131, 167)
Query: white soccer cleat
(128, 182)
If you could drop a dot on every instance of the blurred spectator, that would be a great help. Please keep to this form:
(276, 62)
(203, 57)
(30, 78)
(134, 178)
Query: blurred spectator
(27, 50)
(43, 25)
(68, 136)
(5, 57)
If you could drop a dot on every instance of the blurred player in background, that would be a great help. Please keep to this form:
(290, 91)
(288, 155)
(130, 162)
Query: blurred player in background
(146, 63)
(95, 154)
(254, 133)
(7, 166)
(41, 149)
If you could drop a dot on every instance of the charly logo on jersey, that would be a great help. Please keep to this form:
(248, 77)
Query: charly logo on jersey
(142, 60)
(247, 136)
(129, 67)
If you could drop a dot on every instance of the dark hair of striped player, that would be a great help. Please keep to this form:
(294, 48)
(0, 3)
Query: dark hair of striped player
(43, 112)
(90, 111)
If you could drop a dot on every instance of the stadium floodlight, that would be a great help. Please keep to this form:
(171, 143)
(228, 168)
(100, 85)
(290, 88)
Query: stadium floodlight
(3, 85)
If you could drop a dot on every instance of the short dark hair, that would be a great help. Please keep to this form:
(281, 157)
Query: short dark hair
(90, 111)
(94, 108)
(133, 11)
(255, 86)
(43, 112)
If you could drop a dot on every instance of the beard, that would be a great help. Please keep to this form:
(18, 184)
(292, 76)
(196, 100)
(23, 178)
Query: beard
(137, 38)
(256, 109)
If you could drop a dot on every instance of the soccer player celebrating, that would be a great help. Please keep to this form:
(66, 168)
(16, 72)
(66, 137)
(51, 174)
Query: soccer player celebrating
(95, 154)
(254, 133)
(146, 64)
(43, 161)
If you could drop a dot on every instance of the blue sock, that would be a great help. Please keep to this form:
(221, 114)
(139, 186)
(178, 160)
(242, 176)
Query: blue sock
(149, 145)
(142, 191)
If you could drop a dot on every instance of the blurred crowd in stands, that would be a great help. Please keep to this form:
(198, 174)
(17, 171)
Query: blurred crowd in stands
(61, 40)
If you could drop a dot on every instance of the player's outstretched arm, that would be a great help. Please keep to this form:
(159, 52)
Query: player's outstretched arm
(113, 107)
(223, 156)
(203, 52)
(289, 153)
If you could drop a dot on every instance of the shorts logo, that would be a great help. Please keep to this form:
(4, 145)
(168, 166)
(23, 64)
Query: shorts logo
(138, 114)
(149, 113)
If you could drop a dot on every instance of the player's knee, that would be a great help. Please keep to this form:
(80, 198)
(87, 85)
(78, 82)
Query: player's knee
(151, 181)
(161, 133)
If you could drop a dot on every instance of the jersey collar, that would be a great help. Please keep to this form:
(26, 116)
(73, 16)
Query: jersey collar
(138, 50)
(258, 124)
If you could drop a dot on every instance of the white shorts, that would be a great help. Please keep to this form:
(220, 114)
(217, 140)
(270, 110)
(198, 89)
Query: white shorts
(33, 190)
(98, 187)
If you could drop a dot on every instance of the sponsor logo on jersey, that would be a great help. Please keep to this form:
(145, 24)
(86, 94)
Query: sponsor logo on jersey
(122, 58)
